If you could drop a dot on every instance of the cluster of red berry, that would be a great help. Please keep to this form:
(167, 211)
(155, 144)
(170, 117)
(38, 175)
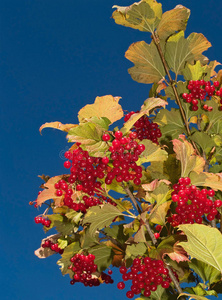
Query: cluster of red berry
(145, 128)
(43, 221)
(193, 204)
(125, 152)
(83, 267)
(146, 274)
(52, 246)
(202, 90)
(64, 188)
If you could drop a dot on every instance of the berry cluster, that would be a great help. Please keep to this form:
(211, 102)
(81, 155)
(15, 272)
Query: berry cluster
(65, 188)
(201, 90)
(145, 128)
(84, 171)
(52, 246)
(146, 274)
(125, 152)
(43, 221)
(83, 267)
(193, 204)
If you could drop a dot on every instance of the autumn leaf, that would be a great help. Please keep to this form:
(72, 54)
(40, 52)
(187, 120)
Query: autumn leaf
(206, 179)
(189, 160)
(148, 65)
(46, 252)
(50, 192)
(105, 106)
(118, 254)
(57, 125)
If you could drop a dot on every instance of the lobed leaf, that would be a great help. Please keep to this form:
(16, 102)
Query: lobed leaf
(103, 256)
(172, 21)
(204, 243)
(105, 106)
(194, 72)
(57, 125)
(180, 50)
(189, 160)
(152, 152)
(69, 251)
(148, 65)
(206, 179)
(100, 217)
(144, 15)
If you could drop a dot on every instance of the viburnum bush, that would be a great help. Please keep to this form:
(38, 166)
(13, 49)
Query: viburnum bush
(145, 198)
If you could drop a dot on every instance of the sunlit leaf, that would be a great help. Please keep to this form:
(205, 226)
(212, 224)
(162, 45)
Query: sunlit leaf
(105, 106)
(193, 296)
(147, 107)
(158, 214)
(180, 50)
(136, 249)
(69, 251)
(204, 243)
(172, 21)
(206, 179)
(194, 72)
(203, 140)
(189, 160)
(144, 15)
(50, 192)
(152, 152)
(148, 65)
(57, 125)
(99, 217)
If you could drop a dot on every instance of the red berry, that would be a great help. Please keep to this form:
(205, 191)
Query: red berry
(118, 135)
(106, 137)
(157, 235)
(67, 164)
(120, 285)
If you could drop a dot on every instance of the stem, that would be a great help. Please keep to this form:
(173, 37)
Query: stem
(149, 230)
(172, 84)
(132, 198)
(213, 222)
(176, 283)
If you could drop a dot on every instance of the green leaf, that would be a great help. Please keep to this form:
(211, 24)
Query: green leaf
(205, 271)
(148, 65)
(200, 290)
(99, 217)
(103, 107)
(158, 214)
(144, 15)
(62, 225)
(188, 158)
(103, 256)
(194, 72)
(64, 261)
(147, 107)
(161, 194)
(204, 243)
(136, 249)
(172, 21)
(203, 140)
(215, 115)
(116, 232)
(90, 137)
(170, 122)
(62, 243)
(102, 122)
(87, 240)
(152, 152)
(180, 50)
(74, 216)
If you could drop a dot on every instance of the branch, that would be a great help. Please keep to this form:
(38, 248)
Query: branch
(132, 198)
(172, 84)
(149, 230)
(176, 283)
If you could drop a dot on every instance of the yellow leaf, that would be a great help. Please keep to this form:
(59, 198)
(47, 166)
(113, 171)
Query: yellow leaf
(57, 125)
(206, 179)
(105, 106)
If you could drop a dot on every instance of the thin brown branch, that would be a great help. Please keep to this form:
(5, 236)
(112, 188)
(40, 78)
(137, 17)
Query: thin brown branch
(149, 230)
(172, 84)
(176, 283)
(132, 198)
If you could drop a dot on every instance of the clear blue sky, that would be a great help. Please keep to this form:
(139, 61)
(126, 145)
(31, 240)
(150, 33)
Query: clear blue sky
(56, 56)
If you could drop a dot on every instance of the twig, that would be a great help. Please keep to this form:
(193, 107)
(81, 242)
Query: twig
(172, 84)
(132, 198)
(176, 283)
(149, 230)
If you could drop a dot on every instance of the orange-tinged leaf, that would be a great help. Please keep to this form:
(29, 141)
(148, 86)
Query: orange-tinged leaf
(189, 160)
(57, 125)
(159, 212)
(206, 179)
(149, 187)
(179, 253)
(49, 191)
(148, 65)
(118, 254)
(105, 106)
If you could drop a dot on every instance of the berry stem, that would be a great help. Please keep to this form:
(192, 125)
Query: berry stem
(172, 84)
(151, 234)
(176, 283)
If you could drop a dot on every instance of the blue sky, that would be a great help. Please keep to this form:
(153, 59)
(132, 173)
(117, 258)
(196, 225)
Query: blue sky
(56, 56)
